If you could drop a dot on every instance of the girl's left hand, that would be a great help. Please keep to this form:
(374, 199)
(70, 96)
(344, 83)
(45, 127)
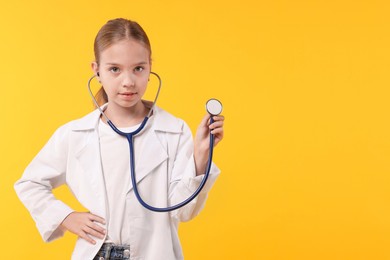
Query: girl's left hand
(202, 140)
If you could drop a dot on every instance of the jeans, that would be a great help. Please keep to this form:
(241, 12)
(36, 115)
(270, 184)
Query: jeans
(110, 251)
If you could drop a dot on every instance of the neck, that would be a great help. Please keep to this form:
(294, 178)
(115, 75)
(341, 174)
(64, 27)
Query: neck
(125, 116)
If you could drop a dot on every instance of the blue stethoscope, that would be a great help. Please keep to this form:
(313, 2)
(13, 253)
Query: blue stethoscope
(213, 107)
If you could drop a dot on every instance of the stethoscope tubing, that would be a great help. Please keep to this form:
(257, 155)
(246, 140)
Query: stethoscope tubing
(130, 139)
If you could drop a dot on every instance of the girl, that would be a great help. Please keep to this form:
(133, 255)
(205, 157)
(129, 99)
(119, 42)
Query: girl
(93, 160)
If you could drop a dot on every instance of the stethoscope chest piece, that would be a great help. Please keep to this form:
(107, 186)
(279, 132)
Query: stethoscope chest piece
(214, 107)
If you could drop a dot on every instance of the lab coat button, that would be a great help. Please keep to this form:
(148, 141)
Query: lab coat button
(101, 258)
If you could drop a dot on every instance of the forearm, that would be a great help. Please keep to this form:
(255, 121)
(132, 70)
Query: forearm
(47, 211)
(185, 187)
(201, 159)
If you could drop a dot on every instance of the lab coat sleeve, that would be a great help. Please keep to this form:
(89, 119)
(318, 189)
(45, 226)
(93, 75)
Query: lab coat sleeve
(184, 181)
(34, 189)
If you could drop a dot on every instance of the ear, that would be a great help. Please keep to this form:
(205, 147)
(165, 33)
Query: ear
(95, 68)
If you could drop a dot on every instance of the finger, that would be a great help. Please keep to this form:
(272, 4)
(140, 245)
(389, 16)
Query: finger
(216, 119)
(205, 120)
(93, 232)
(97, 218)
(219, 118)
(216, 124)
(84, 236)
(217, 131)
(97, 228)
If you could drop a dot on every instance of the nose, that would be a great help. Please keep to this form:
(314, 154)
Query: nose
(128, 80)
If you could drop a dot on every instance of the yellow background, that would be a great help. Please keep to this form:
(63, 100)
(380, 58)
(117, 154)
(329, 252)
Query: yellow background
(305, 87)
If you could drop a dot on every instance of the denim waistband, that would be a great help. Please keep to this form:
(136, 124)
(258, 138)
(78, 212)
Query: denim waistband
(110, 251)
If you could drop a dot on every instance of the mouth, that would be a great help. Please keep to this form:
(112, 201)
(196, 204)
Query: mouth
(127, 94)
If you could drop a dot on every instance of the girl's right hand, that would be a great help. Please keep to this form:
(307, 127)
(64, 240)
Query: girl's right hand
(84, 225)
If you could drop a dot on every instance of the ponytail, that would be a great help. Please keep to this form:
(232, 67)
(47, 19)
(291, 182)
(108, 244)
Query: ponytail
(101, 97)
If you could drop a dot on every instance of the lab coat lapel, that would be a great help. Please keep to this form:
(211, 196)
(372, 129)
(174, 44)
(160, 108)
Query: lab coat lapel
(88, 156)
(85, 142)
(151, 149)
(149, 154)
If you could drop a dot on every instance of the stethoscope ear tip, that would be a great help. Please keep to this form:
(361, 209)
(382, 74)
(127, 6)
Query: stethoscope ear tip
(214, 107)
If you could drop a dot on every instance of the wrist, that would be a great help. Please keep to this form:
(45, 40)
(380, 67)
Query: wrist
(201, 159)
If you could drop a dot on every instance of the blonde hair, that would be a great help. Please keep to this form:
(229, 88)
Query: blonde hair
(112, 32)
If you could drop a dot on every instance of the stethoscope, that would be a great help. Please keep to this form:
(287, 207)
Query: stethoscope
(213, 107)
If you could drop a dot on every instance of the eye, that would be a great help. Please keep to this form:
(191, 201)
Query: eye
(114, 69)
(139, 69)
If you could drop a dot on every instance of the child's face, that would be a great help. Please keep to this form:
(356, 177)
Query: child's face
(124, 72)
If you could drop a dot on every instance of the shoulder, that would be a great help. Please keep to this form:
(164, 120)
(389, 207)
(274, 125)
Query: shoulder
(165, 121)
(86, 122)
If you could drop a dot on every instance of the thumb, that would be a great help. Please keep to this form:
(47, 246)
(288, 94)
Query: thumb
(205, 120)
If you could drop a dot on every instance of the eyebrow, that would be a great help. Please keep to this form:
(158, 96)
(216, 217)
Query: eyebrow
(117, 64)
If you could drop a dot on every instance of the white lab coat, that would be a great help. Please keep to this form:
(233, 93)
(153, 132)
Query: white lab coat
(165, 172)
